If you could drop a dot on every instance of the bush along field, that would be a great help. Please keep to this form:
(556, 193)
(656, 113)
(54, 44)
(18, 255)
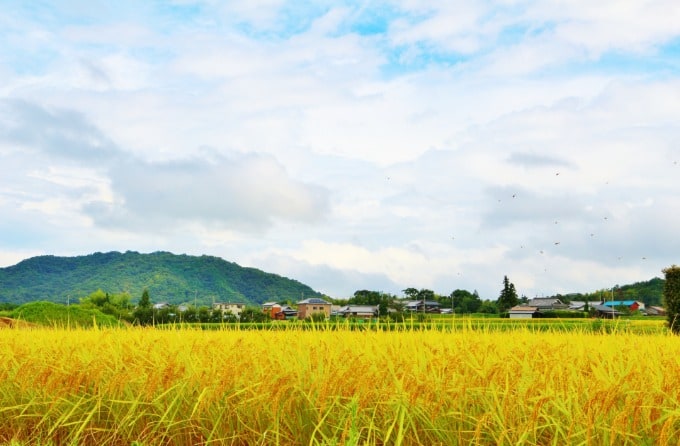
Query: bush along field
(115, 386)
(62, 316)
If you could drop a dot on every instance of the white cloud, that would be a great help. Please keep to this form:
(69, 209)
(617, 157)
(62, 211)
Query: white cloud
(243, 192)
(384, 155)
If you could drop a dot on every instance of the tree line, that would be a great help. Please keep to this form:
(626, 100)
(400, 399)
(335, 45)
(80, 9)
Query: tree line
(459, 301)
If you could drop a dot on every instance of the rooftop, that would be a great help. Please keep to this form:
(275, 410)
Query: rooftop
(522, 309)
(314, 300)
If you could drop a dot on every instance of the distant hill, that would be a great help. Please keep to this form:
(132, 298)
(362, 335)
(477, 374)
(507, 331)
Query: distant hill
(168, 277)
(51, 314)
(650, 292)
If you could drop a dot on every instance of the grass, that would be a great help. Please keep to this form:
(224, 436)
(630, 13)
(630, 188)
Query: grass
(448, 324)
(338, 387)
(56, 315)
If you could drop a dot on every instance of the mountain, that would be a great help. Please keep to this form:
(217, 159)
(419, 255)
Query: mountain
(168, 277)
(650, 292)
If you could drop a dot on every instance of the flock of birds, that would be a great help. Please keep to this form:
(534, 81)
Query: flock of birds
(558, 242)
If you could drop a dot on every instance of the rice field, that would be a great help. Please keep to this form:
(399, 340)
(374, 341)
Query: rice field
(465, 386)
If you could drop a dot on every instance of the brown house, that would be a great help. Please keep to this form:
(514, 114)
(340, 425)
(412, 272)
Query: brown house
(278, 312)
(522, 312)
(313, 305)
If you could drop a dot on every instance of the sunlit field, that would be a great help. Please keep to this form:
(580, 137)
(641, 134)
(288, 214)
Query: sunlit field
(465, 386)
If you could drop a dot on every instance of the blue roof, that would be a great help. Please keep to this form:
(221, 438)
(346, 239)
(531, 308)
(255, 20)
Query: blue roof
(619, 303)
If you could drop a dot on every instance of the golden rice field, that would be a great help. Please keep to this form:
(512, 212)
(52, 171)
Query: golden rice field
(294, 387)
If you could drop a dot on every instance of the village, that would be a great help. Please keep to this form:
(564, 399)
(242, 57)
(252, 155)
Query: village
(534, 308)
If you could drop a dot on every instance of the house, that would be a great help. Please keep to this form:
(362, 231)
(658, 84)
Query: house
(427, 306)
(606, 311)
(271, 308)
(287, 312)
(161, 306)
(579, 305)
(547, 304)
(654, 310)
(277, 311)
(313, 305)
(523, 312)
(227, 307)
(359, 311)
(632, 305)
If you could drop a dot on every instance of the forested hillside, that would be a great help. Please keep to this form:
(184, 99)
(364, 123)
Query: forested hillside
(168, 277)
(650, 292)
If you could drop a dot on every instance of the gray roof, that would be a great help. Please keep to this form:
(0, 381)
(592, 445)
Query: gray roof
(576, 304)
(606, 309)
(314, 300)
(540, 301)
(358, 309)
(546, 303)
(430, 303)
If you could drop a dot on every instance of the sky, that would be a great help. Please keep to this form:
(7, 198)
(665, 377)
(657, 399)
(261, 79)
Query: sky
(375, 145)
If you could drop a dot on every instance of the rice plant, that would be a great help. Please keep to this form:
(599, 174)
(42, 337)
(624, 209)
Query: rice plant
(340, 386)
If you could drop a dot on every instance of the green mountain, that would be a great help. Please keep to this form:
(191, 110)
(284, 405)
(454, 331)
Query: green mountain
(650, 292)
(168, 277)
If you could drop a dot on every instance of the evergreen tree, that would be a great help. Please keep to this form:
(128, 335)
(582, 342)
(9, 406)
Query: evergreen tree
(145, 301)
(671, 295)
(143, 314)
(508, 297)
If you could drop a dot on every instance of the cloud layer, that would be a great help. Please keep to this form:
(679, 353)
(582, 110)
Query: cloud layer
(377, 145)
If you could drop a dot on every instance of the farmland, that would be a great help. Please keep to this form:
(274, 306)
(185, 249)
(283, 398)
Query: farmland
(464, 385)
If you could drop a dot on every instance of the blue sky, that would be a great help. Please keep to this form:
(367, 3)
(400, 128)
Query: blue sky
(358, 145)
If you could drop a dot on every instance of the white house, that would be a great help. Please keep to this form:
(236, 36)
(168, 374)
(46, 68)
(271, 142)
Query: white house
(358, 311)
(235, 308)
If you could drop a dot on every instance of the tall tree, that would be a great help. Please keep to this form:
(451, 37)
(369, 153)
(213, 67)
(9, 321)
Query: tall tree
(465, 301)
(508, 297)
(411, 293)
(671, 296)
(367, 297)
(143, 314)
